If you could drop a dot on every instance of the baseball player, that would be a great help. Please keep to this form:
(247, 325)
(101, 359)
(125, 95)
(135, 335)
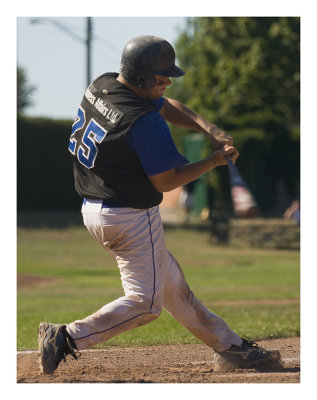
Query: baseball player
(124, 159)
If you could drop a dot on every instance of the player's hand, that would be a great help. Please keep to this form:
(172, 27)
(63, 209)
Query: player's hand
(219, 138)
(219, 157)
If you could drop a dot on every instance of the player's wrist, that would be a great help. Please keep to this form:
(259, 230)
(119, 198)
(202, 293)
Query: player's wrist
(219, 137)
(213, 160)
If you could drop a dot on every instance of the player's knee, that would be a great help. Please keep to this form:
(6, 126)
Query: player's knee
(146, 305)
(152, 310)
(155, 313)
(150, 316)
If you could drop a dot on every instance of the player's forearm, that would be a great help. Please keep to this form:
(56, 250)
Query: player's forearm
(180, 176)
(177, 177)
(178, 114)
(188, 173)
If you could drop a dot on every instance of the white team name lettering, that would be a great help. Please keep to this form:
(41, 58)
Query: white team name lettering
(89, 96)
(111, 115)
(101, 107)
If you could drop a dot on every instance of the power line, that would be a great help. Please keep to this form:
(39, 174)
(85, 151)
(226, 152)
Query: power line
(108, 44)
(87, 41)
(59, 26)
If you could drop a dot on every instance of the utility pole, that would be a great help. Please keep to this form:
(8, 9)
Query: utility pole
(89, 42)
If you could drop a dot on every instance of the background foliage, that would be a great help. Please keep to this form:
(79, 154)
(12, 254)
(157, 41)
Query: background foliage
(243, 74)
(44, 167)
(24, 91)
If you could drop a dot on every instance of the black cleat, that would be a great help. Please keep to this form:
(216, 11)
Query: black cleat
(54, 345)
(248, 355)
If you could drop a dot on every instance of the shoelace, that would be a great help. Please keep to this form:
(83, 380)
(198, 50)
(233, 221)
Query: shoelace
(253, 344)
(71, 350)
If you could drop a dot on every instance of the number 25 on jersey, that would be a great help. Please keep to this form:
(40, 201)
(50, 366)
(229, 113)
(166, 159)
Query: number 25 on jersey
(85, 149)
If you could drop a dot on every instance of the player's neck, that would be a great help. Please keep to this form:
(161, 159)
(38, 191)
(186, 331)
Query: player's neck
(140, 92)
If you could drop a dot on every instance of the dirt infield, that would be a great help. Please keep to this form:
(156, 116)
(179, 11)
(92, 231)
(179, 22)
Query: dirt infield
(160, 364)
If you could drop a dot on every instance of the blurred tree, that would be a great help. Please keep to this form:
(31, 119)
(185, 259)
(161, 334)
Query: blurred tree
(243, 74)
(24, 91)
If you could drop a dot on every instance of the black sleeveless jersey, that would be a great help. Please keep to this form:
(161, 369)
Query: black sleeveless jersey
(104, 165)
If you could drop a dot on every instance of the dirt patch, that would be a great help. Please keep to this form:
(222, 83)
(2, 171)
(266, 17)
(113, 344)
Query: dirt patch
(190, 363)
(24, 281)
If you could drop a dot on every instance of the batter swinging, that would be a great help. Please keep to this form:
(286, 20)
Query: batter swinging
(124, 159)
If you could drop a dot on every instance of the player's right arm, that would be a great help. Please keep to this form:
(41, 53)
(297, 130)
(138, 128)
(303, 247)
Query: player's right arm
(178, 114)
(180, 176)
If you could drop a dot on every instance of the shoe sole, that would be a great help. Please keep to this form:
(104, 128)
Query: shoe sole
(224, 365)
(43, 356)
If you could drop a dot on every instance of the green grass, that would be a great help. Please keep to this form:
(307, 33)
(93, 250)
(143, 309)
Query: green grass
(86, 278)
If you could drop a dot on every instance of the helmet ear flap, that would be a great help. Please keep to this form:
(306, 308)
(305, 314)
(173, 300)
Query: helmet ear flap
(140, 81)
(145, 81)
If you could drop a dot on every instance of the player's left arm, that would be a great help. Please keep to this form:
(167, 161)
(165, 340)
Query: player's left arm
(180, 176)
(178, 114)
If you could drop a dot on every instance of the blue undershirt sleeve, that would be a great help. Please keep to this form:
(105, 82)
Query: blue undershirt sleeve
(151, 138)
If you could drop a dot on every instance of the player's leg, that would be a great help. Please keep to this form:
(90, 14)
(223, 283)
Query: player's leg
(231, 351)
(135, 239)
(183, 305)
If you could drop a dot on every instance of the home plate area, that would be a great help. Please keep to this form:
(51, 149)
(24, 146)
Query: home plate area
(191, 363)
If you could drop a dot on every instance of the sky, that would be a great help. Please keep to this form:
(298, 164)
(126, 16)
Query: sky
(55, 61)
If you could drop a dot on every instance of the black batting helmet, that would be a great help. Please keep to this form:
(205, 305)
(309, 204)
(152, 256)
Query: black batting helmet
(144, 56)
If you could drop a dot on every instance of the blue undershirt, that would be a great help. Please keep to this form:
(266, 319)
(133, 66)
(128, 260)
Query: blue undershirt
(151, 138)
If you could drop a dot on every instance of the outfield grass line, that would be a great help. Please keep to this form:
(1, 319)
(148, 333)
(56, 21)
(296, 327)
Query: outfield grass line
(27, 352)
(264, 302)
